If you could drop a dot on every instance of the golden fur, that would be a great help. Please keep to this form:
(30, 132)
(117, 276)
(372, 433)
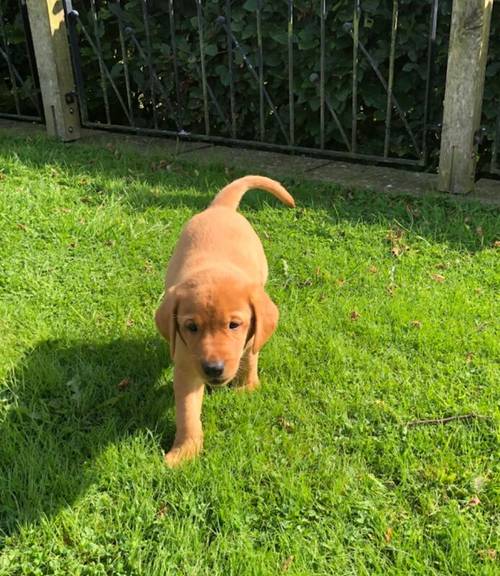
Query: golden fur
(215, 313)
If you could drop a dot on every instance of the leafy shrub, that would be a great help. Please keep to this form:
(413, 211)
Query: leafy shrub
(13, 42)
(140, 30)
(374, 34)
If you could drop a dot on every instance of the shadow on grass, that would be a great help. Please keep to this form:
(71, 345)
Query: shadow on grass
(144, 180)
(64, 403)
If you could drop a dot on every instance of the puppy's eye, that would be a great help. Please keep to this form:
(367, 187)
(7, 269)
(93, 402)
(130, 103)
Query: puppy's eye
(234, 325)
(191, 327)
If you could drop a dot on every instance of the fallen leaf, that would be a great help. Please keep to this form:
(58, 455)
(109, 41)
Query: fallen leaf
(340, 282)
(474, 501)
(65, 210)
(438, 278)
(391, 289)
(496, 244)
(469, 357)
(22, 226)
(162, 511)
(287, 563)
(489, 553)
(129, 322)
(388, 534)
(355, 315)
(395, 237)
(373, 269)
(416, 323)
(412, 210)
(286, 424)
(123, 384)
(395, 234)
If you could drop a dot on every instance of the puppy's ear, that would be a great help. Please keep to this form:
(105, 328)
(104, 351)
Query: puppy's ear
(165, 318)
(265, 318)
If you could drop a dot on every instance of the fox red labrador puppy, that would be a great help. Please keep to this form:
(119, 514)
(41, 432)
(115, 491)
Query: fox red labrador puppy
(215, 313)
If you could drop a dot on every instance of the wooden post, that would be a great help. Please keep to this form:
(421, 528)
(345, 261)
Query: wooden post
(470, 27)
(50, 41)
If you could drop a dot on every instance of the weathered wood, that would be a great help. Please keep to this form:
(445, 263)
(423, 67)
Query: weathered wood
(470, 26)
(53, 61)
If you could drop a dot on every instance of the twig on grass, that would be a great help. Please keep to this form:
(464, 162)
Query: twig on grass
(432, 421)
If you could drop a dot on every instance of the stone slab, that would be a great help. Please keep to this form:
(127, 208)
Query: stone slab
(379, 179)
(267, 163)
(376, 178)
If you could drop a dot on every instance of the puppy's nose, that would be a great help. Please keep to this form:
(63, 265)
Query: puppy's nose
(213, 369)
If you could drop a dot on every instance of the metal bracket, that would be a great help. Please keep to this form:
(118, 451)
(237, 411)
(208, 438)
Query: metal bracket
(479, 135)
(70, 97)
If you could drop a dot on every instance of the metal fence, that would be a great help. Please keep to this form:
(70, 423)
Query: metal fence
(354, 79)
(19, 89)
(489, 135)
(335, 79)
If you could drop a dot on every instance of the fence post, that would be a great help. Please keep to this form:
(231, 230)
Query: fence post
(470, 27)
(50, 41)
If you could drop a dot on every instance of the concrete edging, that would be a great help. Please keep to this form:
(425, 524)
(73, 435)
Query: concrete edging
(379, 179)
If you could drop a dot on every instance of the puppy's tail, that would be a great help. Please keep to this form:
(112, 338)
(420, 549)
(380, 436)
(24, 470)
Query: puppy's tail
(231, 194)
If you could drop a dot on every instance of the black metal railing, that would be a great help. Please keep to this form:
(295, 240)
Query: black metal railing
(489, 135)
(339, 79)
(19, 89)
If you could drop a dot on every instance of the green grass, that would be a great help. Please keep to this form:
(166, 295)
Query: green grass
(316, 473)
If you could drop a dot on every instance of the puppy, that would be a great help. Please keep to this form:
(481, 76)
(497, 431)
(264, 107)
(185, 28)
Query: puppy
(215, 313)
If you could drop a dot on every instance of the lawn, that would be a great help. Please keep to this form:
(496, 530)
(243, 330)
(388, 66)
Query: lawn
(388, 315)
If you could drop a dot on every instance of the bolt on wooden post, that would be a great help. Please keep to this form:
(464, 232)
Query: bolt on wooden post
(50, 42)
(470, 27)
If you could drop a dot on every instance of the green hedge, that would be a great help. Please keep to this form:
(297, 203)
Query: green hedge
(375, 31)
(13, 42)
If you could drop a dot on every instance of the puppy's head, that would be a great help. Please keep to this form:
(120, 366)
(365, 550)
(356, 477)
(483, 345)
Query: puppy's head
(210, 323)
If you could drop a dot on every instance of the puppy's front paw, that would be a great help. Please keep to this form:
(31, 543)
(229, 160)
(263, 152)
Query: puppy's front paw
(183, 451)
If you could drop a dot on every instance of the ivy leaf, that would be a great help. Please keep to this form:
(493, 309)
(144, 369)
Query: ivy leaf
(251, 5)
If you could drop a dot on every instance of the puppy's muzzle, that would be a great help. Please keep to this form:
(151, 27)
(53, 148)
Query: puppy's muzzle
(213, 370)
